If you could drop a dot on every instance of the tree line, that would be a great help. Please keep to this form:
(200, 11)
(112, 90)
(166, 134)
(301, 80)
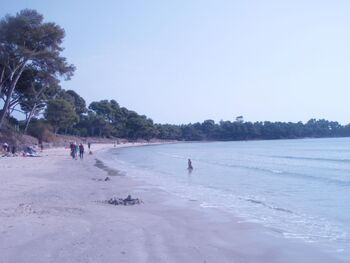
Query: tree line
(32, 68)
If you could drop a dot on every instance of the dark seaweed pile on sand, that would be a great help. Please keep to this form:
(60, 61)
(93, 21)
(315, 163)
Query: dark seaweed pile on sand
(126, 201)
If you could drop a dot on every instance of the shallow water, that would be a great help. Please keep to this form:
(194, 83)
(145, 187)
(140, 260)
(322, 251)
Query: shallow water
(300, 188)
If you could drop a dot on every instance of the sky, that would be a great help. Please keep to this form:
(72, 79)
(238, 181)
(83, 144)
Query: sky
(190, 60)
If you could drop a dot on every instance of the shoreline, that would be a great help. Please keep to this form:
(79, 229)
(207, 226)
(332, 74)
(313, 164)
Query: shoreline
(273, 233)
(52, 210)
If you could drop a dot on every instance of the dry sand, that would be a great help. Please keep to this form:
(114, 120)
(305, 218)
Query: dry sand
(52, 210)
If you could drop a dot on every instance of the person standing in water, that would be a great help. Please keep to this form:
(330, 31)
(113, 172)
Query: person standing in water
(190, 167)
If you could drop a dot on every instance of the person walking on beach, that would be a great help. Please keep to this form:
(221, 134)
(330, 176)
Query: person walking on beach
(13, 150)
(81, 151)
(76, 149)
(89, 146)
(71, 146)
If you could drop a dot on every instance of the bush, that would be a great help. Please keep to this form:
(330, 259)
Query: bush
(41, 130)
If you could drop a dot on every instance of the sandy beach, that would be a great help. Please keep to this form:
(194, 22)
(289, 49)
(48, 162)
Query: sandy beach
(52, 209)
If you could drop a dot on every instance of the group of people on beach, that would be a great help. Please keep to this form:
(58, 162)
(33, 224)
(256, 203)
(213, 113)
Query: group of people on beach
(76, 149)
(25, 151)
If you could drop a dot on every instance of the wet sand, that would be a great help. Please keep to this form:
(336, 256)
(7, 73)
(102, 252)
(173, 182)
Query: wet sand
(53, 209)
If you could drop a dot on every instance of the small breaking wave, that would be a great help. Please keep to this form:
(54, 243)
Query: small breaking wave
(268, 206)
(311, 158)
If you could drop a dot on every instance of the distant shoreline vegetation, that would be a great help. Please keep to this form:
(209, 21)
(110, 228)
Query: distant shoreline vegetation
(32, 68)
(107, 119)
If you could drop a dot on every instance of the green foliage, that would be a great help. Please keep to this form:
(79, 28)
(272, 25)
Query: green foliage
(106, 118)
(40, 129)
(26, 39)
(27, 43)
(75, 99)
(169, 131)
(239, 130)
(60, 114)
(35, 88)
(139, 127)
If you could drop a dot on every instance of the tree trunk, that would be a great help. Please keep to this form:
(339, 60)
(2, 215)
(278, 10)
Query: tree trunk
(4, 110)
(9, 95)
(2, 80)
(29, 118)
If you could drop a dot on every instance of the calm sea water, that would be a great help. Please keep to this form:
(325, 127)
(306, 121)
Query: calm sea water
(300, 188)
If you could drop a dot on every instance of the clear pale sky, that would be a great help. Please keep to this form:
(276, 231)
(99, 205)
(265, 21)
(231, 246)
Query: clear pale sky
(185, 61)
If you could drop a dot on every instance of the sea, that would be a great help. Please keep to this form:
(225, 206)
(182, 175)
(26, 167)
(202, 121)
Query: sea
(300, 188)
